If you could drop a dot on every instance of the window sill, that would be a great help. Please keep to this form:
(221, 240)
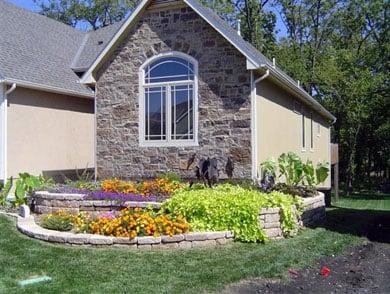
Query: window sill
(169, 144)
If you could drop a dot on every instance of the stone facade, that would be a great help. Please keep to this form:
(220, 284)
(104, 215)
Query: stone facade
(223, 98)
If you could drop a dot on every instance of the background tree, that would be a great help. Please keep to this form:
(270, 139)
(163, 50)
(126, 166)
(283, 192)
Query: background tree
(96, 13)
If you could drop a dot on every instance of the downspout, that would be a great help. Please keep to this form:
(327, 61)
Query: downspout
(254, 124)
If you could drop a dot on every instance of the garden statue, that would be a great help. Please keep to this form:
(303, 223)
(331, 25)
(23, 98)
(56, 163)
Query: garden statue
(267, 182)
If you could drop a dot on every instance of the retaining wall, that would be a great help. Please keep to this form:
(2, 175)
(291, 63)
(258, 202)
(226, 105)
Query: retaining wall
(45, 202)
(189, 240)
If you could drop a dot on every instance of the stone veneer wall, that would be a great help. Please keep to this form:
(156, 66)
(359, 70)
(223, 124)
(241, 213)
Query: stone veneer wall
(223, 97)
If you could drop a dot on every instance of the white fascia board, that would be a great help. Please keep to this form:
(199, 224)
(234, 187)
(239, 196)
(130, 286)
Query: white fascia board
(87, 77)
(46, 88)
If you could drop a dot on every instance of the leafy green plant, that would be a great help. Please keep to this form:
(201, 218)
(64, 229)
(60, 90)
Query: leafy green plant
(269, 166)
(5, 191)
(295, 172)
(59, 221)
(231, 207)
(85, 181)
(26, 184)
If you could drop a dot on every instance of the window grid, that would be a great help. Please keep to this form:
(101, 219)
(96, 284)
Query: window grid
(170, 89)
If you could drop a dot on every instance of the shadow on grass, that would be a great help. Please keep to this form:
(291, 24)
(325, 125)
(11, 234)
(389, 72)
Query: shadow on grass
(372, 224)
(366, 195)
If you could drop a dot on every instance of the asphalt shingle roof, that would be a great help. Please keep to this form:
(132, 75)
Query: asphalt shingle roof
(38, 50)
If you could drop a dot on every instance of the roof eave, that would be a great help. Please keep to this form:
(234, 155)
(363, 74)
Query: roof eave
(46, 88)
(299, 92)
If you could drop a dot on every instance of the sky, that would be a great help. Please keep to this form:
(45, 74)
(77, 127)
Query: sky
(29, 4)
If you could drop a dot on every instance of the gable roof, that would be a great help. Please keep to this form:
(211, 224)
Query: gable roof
(37, 52)
(255, 59)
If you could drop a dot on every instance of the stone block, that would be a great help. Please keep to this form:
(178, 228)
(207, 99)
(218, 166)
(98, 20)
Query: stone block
(124, 240)
(165, 246)
(204, 243)
(174, 238)
(271, 225)
(215, 235)
(271, 218)
(148, 240)
(229, 234)
(221, 241)
(272, 233)
(78, 238)
(100, 240)
(195, 236)
(185, 244)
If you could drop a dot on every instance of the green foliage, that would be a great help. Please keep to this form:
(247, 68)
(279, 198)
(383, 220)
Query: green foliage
(96, 13)
(5, 191)
(85, 181)
(231, 207)
(26, 184)
(58, 221)
(295, 172)
(269, 166)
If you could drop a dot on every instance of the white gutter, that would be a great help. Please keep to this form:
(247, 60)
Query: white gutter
(46, 88)
(10, 90)
(254, 137)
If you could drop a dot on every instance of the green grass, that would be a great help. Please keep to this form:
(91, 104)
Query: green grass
(117, 270)
(364, 201)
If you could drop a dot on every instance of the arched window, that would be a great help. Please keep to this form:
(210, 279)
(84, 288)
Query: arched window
(168, 100)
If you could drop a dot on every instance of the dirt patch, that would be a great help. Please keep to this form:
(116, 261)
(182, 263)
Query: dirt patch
(363, 269)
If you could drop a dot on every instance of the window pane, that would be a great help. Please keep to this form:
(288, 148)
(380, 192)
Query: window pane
(169, 69)
(155, 113)
(182, 112)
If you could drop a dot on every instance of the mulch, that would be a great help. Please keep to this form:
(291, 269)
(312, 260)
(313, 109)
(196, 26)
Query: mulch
(361, 269)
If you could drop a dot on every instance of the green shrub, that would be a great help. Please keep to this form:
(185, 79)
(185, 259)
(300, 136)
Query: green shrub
(26, 184)
(296, 172)
(59, 221)
(231, 207)
(4, 191)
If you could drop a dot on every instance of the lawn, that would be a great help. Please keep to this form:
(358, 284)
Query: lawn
(365, 201)
(117, 270)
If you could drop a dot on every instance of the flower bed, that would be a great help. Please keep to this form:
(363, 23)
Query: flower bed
(129, 222)
(29, 227)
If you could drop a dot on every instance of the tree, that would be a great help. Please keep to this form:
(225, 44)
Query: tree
(96, 13)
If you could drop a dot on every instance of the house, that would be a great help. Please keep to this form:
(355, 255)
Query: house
(174, 79)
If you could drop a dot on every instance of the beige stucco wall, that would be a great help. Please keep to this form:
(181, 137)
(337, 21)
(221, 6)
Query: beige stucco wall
(48, 132)
(279, 127)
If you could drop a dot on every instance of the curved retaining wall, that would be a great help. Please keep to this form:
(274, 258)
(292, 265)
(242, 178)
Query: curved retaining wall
(45, 202)
(190, 240)
(269, 218)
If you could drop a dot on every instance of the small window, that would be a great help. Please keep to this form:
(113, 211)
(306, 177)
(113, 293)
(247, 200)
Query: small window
(169, 101)
(311, 132)
(303, 131)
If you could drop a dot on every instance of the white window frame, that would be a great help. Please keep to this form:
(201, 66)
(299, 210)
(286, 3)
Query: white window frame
(169, 142)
